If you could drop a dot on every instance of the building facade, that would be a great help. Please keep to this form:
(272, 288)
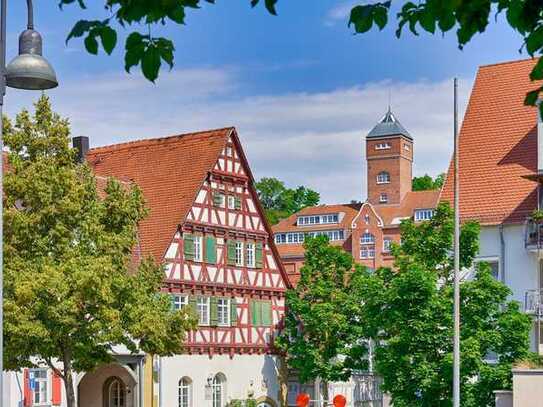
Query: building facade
(366, 230)
(207, 228)
(501, 162)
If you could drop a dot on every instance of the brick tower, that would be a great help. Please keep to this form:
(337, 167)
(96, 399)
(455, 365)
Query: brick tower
(389, 154)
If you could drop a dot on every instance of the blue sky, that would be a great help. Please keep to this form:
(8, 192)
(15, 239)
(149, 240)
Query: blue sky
(301, 88)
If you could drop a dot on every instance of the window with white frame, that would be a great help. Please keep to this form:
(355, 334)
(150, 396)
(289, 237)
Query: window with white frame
(423, 214)
(185, 392)
(229, 151)
(39, 390)
(387, 244)
(367, 251)
(280, 238)
(383, 198)
(333, 235)
(231, 202)
(295, 237)
(223, 312)
(367, 246)
(382, 146)
(179, 301)
(383, 177)
(202, 309)
(198, 248)
(317, 219)
(218, 395)
(367, 238)
(250, 254)
(493, 263)
(367, 219)
(239, 253)
(406, 147)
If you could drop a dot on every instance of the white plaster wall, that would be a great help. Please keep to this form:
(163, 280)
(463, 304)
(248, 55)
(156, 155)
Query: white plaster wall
(243, 373)
(521, 266)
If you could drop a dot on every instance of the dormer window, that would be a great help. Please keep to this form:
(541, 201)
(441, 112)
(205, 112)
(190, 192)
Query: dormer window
(383, 177)
(317, 219)
(383, 198)
(382, 146)
(423, 214)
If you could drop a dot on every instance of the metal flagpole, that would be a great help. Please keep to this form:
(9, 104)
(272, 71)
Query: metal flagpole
(456, 347)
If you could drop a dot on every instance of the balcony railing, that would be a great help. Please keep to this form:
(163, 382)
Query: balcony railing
(533, 302)
(533, 235)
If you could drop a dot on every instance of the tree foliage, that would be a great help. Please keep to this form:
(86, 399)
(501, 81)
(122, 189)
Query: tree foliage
(408, 312)
(72, 288)
(280, 202)
(427, 183)
(322, 323)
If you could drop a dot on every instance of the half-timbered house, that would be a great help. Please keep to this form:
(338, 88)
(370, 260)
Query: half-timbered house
(207, 228)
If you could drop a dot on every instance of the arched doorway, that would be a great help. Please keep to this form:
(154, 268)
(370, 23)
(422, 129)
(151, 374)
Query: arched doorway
(114, 392)
(112, 385)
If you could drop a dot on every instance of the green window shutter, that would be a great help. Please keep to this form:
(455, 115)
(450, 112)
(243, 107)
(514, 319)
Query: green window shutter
(237, 203)
(211, 250)
(266, 313)
(233, 312)
(213, 314)
(231, 247)
(258, 255)
(192, 303)
(256, 312)
(188, 243)
(172, 299)
(217, 198)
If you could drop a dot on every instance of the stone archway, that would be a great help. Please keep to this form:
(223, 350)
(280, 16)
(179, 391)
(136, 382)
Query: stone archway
(95, 388)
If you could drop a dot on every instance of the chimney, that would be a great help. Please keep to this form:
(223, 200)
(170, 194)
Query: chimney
(81, 144)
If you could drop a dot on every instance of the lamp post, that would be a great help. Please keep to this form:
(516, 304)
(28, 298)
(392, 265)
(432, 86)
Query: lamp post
(28, 70)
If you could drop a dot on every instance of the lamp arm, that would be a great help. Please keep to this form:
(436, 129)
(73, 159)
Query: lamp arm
(30, 10)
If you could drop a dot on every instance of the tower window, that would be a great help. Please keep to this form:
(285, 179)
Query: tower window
(383, 177)
(406, 147)
(383, 198)
(382, 146)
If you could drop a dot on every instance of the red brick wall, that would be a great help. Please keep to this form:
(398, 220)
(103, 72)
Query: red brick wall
(397, 161)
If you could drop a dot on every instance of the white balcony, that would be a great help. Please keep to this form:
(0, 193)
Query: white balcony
(533, 303)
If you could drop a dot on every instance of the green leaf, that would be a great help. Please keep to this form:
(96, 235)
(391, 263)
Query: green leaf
(91, 44)
(362, 19)
(446, 22)
(270, 6)
(537, 71)
(380, 16)
(534, 41)
(166, 49)
(80, 28)
(531, 97)
(150, 63)
(177, 15)
(427, 21)
(109, 39)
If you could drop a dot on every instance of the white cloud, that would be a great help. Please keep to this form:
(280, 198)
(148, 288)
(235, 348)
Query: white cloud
(314, 139)
(340, 12)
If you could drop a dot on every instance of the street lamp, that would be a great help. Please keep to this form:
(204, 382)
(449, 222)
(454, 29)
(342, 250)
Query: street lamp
(29, 70)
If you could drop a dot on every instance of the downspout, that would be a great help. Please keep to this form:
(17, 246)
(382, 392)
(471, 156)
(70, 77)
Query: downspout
(502, 255)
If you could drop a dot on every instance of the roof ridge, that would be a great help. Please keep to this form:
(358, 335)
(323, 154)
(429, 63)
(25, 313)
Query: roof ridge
(513, 61)
(154, 140)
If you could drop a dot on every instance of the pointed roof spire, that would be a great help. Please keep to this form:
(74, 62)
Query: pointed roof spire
(388, 126)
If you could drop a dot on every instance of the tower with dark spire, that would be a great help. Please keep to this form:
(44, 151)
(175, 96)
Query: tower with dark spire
(389, 154)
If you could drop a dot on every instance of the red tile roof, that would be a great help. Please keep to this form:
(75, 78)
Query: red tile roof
(392, 214)
(169, 171)
(498, 143)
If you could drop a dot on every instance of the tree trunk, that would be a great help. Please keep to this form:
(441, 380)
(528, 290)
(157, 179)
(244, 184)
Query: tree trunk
(68, 380)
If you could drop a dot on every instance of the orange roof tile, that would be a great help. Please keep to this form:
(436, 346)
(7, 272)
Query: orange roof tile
(169, 171)
(498, 143)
